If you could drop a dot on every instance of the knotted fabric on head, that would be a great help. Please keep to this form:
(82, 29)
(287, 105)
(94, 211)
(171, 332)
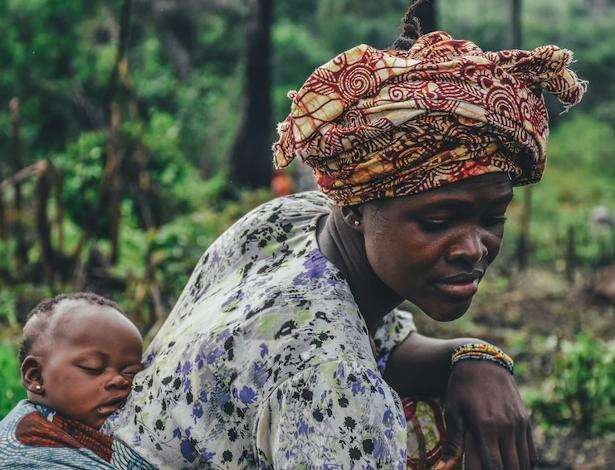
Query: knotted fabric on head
(383, 123)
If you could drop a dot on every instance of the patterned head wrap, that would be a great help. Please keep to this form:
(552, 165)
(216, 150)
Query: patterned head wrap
(383, 123)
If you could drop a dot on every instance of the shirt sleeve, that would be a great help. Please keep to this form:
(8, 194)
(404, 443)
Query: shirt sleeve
(396, 326)
(336, 415)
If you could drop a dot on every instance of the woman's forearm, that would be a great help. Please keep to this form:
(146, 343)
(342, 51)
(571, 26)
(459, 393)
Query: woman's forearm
(420, 366)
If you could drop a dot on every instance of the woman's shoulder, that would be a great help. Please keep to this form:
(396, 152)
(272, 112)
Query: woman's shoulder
(297, 209)
(261, 242)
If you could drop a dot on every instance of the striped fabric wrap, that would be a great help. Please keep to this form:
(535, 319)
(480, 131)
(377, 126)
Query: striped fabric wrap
(34, 437)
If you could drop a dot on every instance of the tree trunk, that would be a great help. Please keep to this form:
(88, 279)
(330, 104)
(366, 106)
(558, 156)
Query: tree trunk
(43, 227)
(3, 214)
(427, 13)
(251, 158)
(2, 218)
(111, 181)
(59, 211)
(517, 29)
(524, 240)
(18, 229)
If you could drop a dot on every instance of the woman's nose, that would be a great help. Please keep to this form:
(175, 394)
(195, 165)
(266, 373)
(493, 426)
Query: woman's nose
(470, 248)
(118, 381)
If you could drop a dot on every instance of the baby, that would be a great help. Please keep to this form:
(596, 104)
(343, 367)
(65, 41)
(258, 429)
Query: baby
(79, 356)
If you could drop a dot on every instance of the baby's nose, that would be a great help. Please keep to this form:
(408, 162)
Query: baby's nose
(118, 381)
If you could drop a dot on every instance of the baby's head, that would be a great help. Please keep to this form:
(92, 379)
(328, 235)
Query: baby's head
(79, 356)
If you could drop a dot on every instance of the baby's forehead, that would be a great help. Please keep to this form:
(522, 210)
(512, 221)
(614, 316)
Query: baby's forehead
(80, 320)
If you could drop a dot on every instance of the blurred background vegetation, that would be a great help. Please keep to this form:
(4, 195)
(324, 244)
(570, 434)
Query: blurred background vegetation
(133, 132)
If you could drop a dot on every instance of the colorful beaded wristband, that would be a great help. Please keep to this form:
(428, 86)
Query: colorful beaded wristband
(482, 352)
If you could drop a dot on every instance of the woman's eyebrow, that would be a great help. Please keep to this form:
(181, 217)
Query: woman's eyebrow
(460, 203)
(504, 199)
(448, 203)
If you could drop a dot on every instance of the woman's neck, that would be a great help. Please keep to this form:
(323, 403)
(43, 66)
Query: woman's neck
(345, 248)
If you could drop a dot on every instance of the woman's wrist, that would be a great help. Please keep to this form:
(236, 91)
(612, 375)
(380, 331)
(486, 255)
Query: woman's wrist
(482, 351)
(421, 366)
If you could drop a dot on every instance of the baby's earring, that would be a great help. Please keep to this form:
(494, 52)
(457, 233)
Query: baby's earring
(38, 388)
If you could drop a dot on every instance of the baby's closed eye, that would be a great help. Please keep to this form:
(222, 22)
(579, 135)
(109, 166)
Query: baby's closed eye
(92, 369)
(132, 370)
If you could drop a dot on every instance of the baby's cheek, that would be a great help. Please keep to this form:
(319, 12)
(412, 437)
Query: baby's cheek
(80, 387)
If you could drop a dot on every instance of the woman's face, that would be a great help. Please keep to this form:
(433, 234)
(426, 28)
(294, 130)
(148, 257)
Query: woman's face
(433, 248)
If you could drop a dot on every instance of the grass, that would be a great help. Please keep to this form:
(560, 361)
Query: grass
(11, 390)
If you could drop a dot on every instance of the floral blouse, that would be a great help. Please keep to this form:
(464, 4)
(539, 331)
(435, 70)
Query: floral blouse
(265, 361)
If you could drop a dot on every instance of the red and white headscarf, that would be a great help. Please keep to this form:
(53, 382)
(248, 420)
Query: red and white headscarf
(378, 124)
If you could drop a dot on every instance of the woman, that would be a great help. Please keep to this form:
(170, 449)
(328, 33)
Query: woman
(285, 349)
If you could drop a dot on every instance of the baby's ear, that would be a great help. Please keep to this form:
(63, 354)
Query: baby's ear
(32, 376)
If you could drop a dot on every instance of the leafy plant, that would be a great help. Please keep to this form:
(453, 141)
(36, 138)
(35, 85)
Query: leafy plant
(581, 390)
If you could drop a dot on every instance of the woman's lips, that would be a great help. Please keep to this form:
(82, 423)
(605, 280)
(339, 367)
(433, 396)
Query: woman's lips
(459, 287)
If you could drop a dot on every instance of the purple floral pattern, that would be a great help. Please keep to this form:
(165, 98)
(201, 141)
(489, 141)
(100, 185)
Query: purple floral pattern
(265, 361)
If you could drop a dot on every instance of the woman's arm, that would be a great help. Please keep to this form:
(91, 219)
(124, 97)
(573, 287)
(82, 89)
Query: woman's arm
(421, 366)
(484, 413)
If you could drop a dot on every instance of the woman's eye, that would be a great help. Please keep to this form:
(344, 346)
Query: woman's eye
(432, 225)
(495, 220)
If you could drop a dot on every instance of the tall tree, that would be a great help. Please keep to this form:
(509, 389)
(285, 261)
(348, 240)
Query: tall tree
(250, 157)
(22, 249)
(523, 242)
(515, 21)
(111, 181)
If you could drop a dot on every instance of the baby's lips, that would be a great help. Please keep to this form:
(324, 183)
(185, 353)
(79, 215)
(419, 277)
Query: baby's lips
(107, 410)
(111, 406)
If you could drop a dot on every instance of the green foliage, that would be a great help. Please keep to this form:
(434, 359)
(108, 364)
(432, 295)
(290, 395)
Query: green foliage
(11, 390)
(8, 308)
(167, 255)
(581, 390)
(578, 178)
(81, 166)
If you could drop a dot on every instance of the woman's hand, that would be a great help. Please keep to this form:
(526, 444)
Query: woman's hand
(486, 419)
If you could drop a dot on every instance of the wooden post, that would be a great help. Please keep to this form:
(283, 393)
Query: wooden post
(59, 211)
(571, 256)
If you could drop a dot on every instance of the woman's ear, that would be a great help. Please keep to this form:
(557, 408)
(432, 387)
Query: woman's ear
(32, 375)
(353, 216)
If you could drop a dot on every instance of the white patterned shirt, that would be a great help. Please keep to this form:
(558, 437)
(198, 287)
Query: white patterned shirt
(265, 361)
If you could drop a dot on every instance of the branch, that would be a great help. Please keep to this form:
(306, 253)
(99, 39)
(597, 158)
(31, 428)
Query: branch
(35, 169)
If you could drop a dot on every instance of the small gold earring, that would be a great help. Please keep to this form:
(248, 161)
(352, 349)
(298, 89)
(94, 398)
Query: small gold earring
(38, 388)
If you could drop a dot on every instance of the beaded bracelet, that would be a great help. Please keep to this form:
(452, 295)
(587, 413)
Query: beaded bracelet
(482, 352)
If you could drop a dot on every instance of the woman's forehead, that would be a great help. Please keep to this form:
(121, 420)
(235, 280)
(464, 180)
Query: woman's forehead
(487, 189)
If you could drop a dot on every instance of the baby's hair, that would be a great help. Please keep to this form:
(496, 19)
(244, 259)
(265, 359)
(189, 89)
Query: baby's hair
(44, 311)
(411, 28)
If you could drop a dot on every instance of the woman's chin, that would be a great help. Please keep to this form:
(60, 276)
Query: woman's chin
(447, 312)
